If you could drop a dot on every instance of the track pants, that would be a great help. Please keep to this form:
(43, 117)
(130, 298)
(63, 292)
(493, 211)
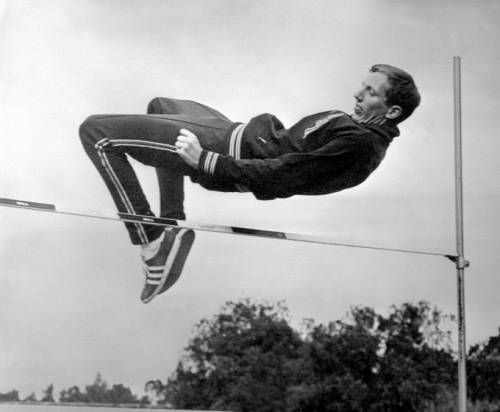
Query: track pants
(109, 139)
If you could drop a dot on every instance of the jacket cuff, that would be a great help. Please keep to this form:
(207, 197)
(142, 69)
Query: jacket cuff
(208, 161)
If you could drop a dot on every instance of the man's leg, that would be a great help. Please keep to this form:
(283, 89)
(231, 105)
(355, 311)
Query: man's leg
(166, 105)
(108, 140)
(170, 181)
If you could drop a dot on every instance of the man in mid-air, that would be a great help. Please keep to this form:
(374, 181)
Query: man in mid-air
(322, 153)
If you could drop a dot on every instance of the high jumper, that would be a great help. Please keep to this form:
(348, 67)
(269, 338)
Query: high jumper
(321, 154)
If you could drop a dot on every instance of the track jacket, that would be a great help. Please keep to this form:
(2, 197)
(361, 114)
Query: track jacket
(322, 153)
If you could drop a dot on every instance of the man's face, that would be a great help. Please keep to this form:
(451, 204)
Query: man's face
(370, 98)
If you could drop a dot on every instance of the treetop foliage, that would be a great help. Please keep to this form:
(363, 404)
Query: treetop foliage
(249, 358)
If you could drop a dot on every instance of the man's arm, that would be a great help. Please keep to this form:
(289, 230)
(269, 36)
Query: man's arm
(332, 165)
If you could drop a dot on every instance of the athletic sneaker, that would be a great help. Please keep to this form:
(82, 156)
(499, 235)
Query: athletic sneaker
(165, 267)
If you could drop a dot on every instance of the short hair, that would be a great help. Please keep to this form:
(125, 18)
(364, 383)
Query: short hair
(402, 92)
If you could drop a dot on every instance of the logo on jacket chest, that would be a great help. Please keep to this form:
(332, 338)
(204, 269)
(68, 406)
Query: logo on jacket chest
(321, 122)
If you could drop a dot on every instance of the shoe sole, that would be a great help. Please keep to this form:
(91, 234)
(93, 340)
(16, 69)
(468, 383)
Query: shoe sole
(175, 262)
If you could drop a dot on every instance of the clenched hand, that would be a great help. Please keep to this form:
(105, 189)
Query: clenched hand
(188, 147)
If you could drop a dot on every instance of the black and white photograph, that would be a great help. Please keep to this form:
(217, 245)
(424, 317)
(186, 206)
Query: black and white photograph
(249, 206)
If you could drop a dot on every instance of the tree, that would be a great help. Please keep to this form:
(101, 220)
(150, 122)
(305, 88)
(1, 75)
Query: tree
(72, 394)
(119, 394)
(483, 370)
(48, 394)
(242, 360)
(155, 392)
(369, 362)
(30, 398)
(248, 358)
(340, 365)
(417, 365)
(99, 392)
(12, 396)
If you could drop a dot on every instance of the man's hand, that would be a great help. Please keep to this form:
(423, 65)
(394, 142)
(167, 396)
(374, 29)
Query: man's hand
(188, 147)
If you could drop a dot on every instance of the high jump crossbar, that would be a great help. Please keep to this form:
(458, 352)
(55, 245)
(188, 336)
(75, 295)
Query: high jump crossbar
(234, 230)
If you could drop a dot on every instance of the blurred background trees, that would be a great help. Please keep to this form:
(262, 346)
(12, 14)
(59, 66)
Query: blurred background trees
(249, 357)
(483, 370)
(99, 392)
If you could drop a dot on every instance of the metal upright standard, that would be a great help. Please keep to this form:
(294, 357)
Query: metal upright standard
(459, 260)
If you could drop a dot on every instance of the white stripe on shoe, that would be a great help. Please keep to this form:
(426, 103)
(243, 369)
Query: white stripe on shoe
(155, 268)
(151, 279)
(171, 257)
(186, 239)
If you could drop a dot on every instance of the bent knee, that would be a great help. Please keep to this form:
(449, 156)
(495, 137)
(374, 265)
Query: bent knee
(154, 106)
(89, 130)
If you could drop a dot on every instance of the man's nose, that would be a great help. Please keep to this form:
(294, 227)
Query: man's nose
(358, 95)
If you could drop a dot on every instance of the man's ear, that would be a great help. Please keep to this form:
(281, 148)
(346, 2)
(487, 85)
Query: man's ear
(393, 112)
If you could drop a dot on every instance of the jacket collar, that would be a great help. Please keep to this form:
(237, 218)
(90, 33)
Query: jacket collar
(388, 131)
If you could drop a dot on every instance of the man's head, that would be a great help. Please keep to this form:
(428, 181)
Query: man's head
(388, 94)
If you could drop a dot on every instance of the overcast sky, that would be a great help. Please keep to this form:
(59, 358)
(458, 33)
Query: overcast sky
(69, 301)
